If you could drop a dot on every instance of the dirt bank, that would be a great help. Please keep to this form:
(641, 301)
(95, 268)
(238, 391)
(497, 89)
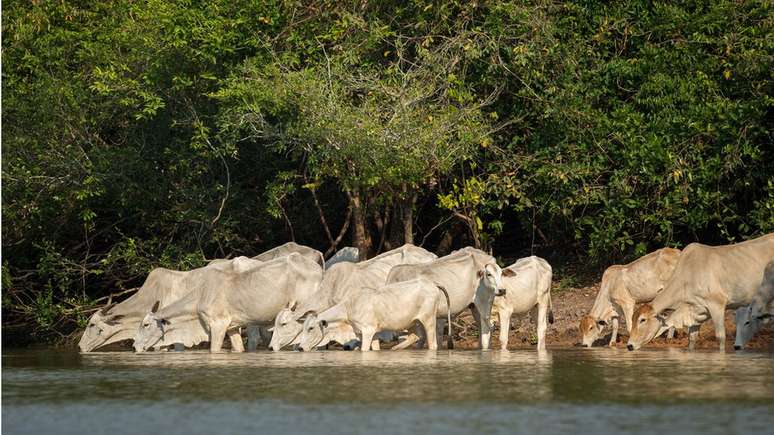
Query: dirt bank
(573, 302)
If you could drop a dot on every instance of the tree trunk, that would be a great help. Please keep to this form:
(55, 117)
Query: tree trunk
(407, 207)
(361, 238)
(395, 230)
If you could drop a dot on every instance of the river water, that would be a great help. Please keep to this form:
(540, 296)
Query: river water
(603, 391)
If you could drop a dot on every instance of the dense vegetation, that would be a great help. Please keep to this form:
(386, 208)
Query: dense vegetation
(165, 133)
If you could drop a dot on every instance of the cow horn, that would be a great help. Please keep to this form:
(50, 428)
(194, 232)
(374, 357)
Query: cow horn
(155, 307)
(108, 306)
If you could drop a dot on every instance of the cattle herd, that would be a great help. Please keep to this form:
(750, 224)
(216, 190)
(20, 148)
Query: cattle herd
(291, 297)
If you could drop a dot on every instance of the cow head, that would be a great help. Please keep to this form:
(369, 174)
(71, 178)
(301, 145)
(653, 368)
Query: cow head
(491, 279)
(312, 333)
(490, 285)
(590, 329)
(748, 321)
(287, 327)
(151, 330)
(746, 326)
(101, 328)
(646, 325)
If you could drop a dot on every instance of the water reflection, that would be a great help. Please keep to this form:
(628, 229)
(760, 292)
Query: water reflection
(553, 391)
(583, 376)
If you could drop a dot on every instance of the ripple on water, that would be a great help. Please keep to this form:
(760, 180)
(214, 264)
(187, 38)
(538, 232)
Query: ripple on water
(605, 390)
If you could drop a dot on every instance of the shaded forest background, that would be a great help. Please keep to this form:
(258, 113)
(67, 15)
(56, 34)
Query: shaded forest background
(139, 134)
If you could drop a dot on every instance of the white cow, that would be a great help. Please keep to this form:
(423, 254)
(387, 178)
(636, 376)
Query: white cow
(527, 283)
(624, 286)
(750, 319)
(290, 248)
(393, 307)
(348, 253)
(707, 280)
(337, 284)
(470, 276)
(117, 322)
(221, 302)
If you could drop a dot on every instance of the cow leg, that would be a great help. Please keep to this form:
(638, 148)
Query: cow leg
(410, 339)
(718, 318)
(614, 337)
(627, 310)
(236, 340)
(375, 345)
(429, 325)
(253, 337)
(693, 334)
(484, 328)
(505, 326)
(218, 330)
(542, 325)
(366, 337)
(671, 333)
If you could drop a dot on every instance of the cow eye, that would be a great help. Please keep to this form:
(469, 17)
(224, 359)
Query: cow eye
(283, 323)
(642, 320)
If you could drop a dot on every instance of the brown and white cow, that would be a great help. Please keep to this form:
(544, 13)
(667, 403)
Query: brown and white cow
(706, 282)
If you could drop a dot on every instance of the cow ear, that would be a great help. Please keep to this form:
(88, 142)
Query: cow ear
(480, 273)
(155, 307)
(292, 305)
(508, 272)
(305, 315)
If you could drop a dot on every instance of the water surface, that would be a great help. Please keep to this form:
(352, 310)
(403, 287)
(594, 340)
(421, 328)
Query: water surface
(591, 390)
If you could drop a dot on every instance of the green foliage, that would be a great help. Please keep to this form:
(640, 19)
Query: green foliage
(161, 133)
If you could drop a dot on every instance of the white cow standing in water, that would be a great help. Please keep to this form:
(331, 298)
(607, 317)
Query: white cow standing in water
(341, 280)
(222, 302)
(393, 307)
(527, 283)
(118, 322)
(470, 276)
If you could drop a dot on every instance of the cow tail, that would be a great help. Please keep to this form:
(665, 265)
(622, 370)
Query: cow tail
(450, 339)
(550, 302)
(550, 310)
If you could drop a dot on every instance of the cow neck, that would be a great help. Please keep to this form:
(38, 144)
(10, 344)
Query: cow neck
(336, 313)
(184, 308)
(603, 304)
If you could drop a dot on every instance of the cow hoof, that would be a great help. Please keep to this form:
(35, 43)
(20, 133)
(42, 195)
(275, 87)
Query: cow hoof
(737, 347)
